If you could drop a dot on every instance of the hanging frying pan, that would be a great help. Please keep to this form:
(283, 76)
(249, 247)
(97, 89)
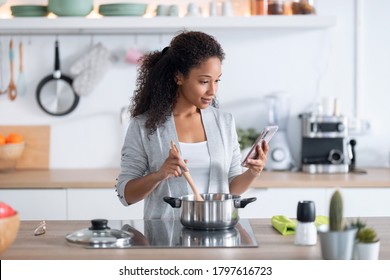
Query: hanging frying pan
(55, 93)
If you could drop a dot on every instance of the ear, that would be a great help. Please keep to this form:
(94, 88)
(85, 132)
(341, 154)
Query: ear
(179, 78)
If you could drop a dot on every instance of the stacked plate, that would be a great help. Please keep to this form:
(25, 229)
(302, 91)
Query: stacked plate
(123, 9)
(29, 11)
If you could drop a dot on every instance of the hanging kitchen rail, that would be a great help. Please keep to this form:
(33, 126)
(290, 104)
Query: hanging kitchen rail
(142, 25)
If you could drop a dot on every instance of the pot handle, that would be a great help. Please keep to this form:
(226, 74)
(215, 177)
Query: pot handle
(244, 202)
(174, 202)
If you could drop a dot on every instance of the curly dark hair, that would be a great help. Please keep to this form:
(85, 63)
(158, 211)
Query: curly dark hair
(156, 88)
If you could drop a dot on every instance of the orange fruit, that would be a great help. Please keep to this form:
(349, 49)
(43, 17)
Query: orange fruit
(14, 138)
(2, 140)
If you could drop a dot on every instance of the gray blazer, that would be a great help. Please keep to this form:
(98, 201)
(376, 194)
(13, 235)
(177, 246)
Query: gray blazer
(143, 154)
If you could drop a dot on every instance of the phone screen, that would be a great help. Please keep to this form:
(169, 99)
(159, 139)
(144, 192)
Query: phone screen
(266, 135)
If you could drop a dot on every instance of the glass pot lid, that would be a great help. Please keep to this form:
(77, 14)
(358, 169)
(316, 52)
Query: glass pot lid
(99, 235)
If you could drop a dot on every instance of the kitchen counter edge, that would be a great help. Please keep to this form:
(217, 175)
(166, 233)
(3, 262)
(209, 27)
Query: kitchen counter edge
(106, 178)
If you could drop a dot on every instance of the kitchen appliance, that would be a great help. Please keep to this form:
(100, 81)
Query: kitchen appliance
(217, 211)
(279, 155)
(325, 147)
(170, 234)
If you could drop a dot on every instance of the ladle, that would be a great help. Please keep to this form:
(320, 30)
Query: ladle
(188, 177)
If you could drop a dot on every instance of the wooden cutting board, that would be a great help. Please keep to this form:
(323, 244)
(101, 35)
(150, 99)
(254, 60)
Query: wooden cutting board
(36, 154)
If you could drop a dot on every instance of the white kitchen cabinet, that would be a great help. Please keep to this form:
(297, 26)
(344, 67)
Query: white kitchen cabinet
(363, 202)
(281, 201)
(93, 203)
(37, 204)
(87, 204)
(132, 25)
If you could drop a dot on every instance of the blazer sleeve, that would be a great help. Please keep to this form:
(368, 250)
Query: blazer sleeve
(134, 162)
(235, 166)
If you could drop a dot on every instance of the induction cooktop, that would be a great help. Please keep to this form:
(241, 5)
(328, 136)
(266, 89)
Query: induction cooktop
(172, 234)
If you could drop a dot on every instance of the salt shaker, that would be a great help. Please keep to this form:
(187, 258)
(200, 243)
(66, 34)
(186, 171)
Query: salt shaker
(306, 231)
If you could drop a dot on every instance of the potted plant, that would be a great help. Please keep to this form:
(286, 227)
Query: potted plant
(337, 242)
(367, 246)
(246, 138)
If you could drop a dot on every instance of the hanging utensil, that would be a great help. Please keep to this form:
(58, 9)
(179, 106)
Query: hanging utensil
(188, 177)
(11, 87)
(55, 93)
(21, 83)
(1, 71)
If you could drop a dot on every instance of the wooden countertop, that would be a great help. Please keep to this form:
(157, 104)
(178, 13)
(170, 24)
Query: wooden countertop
(272, 245)
(105, 178)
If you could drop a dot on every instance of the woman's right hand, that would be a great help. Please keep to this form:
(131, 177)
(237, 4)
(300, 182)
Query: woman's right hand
(172, 166)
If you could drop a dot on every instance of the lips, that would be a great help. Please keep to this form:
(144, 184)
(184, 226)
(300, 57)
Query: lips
(206, 100)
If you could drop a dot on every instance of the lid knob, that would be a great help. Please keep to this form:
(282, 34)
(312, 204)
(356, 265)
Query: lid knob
(99, 224)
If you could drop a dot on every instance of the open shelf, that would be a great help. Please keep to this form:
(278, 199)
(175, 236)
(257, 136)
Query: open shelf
(134, 25)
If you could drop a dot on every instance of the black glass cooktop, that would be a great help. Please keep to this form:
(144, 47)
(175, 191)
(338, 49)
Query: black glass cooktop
(172, 234)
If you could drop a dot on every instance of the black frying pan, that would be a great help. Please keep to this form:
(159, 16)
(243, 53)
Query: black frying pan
(55, 93)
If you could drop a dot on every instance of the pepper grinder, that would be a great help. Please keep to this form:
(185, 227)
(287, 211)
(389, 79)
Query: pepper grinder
(306, 231)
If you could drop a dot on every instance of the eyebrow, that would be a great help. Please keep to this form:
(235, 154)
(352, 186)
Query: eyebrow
(209, 76)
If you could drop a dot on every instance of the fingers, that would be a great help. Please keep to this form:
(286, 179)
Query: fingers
(175, 156)
(257, 165)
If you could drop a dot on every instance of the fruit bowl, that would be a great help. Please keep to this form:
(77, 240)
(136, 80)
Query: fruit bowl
(9, 227)
(10, 155)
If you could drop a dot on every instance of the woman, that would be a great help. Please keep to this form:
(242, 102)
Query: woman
(175, 101)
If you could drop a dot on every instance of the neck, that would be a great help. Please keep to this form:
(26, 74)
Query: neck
(184, 109)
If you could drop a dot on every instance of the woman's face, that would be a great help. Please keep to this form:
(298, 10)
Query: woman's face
(201, 85)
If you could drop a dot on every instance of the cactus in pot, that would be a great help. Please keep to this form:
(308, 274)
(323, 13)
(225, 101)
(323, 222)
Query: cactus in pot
(368, 245)
(337, 243)
(336, 219)
(367, 235)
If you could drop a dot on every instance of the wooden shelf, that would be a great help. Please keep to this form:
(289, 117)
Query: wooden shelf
(135, 25)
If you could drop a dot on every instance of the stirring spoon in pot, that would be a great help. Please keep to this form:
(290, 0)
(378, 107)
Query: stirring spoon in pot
(188, 177)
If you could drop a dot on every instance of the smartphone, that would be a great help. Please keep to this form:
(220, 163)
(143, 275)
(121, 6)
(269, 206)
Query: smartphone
(266, 135)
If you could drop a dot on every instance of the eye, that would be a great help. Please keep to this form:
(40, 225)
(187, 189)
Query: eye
(204, 82)
(217, 81)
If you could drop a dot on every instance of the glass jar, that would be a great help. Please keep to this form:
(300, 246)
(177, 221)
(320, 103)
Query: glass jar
(275, 7)
(258, 7)
(299, 7)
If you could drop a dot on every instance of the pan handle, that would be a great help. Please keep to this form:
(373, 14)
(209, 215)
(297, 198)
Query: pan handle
(174, 202)
(244, 202)
(57, 71)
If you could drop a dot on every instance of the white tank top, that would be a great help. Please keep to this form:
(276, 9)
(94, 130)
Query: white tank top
(198, 157)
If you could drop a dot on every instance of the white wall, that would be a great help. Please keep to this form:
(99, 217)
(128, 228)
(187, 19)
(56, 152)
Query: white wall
(307, 64)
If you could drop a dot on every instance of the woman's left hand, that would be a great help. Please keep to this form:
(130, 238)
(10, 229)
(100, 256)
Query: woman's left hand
(257, 165)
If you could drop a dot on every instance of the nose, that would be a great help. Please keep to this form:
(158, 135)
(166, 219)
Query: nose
(212, 89)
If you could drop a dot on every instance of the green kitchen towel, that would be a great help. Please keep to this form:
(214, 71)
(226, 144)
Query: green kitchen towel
(286, 226)
(283, 224)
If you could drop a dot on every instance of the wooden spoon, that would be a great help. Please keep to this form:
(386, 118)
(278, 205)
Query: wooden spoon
(11, 87)
(188, 177)
(20, 83)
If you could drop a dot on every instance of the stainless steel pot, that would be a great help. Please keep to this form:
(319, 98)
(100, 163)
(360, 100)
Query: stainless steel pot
(217, 211)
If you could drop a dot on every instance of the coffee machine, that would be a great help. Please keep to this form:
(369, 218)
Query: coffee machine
(325, 146)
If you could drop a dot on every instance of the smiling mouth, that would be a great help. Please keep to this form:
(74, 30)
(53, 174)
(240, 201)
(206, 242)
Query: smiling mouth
(207, 100)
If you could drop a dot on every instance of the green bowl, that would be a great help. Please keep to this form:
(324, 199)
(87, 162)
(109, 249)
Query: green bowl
(29, 8)
(123, 9)
(29, 11)
(30, 14)
(72, 8)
